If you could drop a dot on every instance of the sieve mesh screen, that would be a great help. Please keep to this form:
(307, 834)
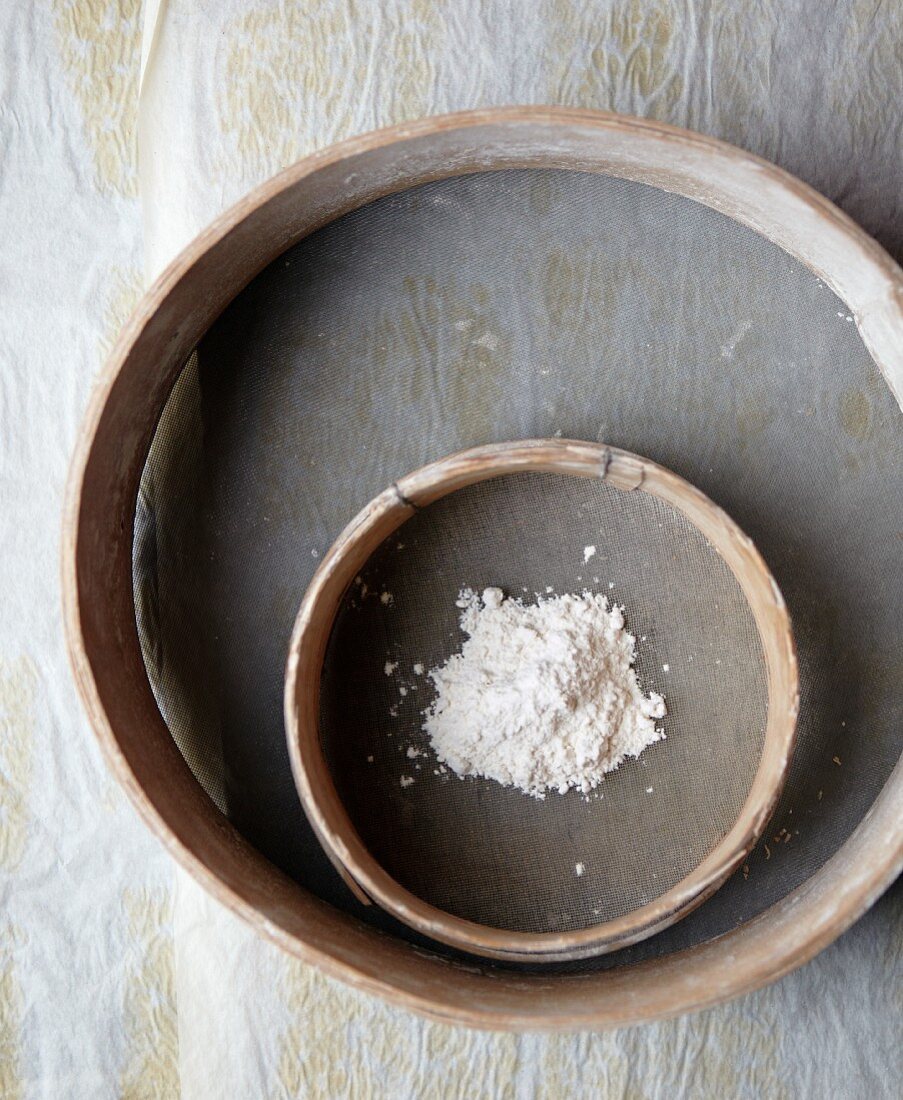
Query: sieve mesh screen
(512, 305)
(493, 854)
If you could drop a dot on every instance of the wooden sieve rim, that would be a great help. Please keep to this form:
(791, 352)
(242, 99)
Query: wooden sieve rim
(96, 549)
(344, 561)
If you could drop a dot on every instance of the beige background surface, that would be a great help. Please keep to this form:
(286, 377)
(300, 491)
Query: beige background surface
(117, 975)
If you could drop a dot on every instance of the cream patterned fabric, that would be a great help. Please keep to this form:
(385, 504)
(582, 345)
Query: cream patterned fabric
(124, 132)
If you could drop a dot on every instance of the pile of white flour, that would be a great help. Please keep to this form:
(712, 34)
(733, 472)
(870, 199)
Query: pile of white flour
(542, 696)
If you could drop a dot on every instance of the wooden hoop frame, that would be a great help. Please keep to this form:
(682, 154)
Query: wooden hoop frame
(97, 548)
(347, 557)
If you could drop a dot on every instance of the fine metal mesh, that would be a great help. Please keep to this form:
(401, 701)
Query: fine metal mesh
(490, 853)
(506, 306)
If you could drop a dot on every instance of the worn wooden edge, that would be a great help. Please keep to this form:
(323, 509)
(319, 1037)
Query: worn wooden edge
(116, 434)
(346, 558)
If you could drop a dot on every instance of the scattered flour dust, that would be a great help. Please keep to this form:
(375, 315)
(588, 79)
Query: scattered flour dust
(541, 696)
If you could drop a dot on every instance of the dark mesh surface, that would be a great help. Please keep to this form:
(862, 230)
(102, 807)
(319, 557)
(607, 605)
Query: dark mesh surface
(491, 853)
(516, 305)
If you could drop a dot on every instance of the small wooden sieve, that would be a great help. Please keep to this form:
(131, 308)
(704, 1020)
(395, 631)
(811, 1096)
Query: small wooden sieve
(347, 557)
